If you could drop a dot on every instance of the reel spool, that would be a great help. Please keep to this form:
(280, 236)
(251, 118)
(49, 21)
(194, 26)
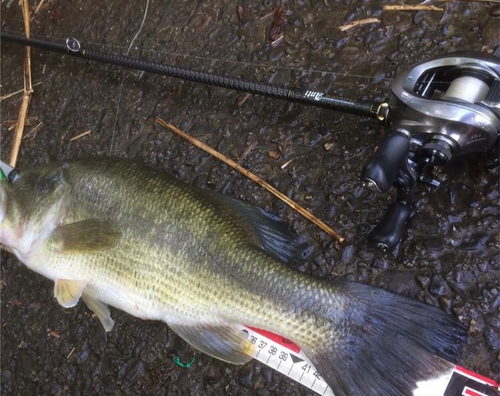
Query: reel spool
(440, 109)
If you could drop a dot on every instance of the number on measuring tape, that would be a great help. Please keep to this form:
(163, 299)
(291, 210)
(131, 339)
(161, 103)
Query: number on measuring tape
(285, 357)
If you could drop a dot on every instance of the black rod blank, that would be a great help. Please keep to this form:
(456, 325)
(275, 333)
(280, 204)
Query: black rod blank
(318, 99)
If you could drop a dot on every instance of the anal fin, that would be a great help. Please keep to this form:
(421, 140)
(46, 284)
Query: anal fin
(227, 343)
(68, 292)
(100, 309)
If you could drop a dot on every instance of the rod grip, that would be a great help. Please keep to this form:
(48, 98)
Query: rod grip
(383, 167)
(389, 231)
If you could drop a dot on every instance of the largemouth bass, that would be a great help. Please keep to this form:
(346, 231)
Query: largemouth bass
(114, 232)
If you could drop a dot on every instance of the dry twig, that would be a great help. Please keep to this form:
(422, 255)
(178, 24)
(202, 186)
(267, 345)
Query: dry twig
(33, 130)
(40, 6)
(37, 9)
(7, 96)
(80, 135)
(11, 124)
(28, 89)
(71, 353)
(252, 177)
(417, 7)
(350, 25)
(267, 15)
(287, 163)
(243, 99)
(247, 151)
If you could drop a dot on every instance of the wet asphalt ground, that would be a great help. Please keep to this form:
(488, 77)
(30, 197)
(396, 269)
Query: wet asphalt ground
(449, 256)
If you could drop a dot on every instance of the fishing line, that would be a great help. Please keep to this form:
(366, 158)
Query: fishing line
(120, 95)
(205, 58)
(140, 27)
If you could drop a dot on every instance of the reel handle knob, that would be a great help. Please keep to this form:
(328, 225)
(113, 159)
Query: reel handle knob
(389, 231)
(381, 170)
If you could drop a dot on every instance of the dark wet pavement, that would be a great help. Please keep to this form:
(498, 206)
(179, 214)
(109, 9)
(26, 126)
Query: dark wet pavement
(449, 256)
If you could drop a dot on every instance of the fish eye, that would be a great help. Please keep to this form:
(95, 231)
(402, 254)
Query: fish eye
(13, 176)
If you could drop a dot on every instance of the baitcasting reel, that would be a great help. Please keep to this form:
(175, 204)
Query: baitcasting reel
(440, 109)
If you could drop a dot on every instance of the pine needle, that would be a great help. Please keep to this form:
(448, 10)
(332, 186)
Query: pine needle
(80, 135)
(417, 7)
(350, 25)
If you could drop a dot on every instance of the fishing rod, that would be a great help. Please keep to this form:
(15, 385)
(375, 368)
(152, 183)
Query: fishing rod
(73, 47)
(439, 109)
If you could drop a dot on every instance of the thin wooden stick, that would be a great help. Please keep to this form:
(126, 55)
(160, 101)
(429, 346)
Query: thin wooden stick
(11, 124)
(71, 353)
(247, 151)
(28, 89)
(404, 7)
(10, 95)
(252, 177)
(36, 10)
(80, 135)
(350, 25)
(33, 130)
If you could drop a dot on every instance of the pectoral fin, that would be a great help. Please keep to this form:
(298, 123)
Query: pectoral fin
(68, 292)
(100, 309)
(222, 342)
(86, 236)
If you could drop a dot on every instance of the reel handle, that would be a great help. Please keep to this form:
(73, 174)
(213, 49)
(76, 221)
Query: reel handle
(381, 170)
(389, 231)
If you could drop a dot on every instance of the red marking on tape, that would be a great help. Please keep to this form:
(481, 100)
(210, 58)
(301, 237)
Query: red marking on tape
(470, 392)
(285, 342)
(477, 376)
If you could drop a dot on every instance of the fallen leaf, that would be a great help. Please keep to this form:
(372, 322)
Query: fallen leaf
(274, 154)
(239, 10)
(329, 145)
(278, 26)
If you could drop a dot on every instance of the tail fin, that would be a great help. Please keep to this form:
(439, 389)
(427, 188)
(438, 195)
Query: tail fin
(390, 342)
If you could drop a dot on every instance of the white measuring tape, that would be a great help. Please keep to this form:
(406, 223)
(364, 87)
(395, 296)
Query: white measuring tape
(286, 357)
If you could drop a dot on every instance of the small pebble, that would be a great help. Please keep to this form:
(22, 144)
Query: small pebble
(423, 281)
(495, 367)
(474, 328)
(245, 376)
(492, 337)
(438, 286)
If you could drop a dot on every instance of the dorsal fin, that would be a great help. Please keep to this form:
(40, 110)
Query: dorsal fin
(270, 233)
